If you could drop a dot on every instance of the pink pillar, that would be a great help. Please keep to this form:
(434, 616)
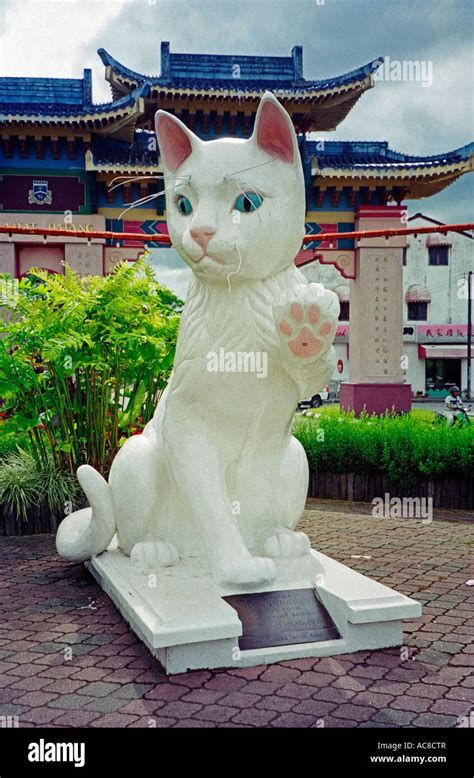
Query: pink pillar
(376, 318)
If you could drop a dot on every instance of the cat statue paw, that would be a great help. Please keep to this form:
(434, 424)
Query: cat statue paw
(307, 318)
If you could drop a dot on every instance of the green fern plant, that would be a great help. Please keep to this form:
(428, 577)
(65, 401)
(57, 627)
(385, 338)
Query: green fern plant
(21, 484)
(85, 361)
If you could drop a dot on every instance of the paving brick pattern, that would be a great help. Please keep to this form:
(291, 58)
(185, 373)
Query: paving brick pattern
(67, 659)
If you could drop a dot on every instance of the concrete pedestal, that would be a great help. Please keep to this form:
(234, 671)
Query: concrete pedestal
(181, 617)
(375, 398)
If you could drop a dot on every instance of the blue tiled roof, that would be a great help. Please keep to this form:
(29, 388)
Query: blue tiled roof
(221, 66)
(218, 71)
(336, 154)
(57, 97)
(34, 91)
(343, 154)
(256, 85)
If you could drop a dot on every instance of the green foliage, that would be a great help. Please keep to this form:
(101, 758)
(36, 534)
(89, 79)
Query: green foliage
(11, 441)
(403, 447)
(24, 485)
(84, 363)
(21, 487)
(60, 488)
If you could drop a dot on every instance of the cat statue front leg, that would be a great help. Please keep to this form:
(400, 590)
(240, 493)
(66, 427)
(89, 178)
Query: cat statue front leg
(199, 468)
(306, 318)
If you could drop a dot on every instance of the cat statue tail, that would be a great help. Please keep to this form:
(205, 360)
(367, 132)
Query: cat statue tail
(86, 533)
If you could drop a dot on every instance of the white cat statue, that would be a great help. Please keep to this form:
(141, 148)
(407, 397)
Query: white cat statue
(217, 472)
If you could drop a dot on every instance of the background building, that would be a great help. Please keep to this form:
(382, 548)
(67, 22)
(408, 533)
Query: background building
(69, 162)
(435, 271)
(435, 294)
(61, 154)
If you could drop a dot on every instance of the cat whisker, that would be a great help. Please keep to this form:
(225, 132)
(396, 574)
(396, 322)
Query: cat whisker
(141, 201)
(250, 186)
(127, 180)
(235, 272)
(148, 198)
(261, 164)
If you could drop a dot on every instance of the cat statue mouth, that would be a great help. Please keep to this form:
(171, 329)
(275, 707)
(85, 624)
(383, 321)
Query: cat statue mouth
(207, 264)
(211, 257)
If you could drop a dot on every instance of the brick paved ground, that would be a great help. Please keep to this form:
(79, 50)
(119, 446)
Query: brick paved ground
(68, 659)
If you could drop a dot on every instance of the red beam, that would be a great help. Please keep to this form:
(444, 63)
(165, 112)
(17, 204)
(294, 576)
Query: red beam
(165, 239)
(87, 235)
(386, 233)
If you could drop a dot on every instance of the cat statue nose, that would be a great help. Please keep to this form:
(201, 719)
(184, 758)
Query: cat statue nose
(202, 235)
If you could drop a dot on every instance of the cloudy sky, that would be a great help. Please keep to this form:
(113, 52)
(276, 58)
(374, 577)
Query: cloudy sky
(61, 37)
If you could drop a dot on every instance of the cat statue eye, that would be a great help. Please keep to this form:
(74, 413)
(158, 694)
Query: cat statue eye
(184, 205)
(248, 202)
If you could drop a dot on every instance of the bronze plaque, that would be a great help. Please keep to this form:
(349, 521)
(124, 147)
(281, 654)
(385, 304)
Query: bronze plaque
(282, 618)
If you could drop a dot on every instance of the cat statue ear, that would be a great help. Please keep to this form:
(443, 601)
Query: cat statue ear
(176, 142)
(274, 132)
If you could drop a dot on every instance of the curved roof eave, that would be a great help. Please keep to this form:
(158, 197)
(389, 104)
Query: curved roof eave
(128, 105)
(123, 74)
(388, 161)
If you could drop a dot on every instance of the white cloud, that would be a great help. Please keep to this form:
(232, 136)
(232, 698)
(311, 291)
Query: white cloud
(417, 119)
(40, 38)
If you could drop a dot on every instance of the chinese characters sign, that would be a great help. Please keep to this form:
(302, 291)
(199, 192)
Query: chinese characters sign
(431, 333)
(381, 321)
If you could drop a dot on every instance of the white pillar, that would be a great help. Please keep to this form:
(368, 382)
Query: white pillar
(376, 318)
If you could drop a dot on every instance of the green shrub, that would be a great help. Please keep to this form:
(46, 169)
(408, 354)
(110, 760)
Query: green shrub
(402, 447)
(21, 485)
(84, 362)
(10, 442)
(60, 488)
(24, 486)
